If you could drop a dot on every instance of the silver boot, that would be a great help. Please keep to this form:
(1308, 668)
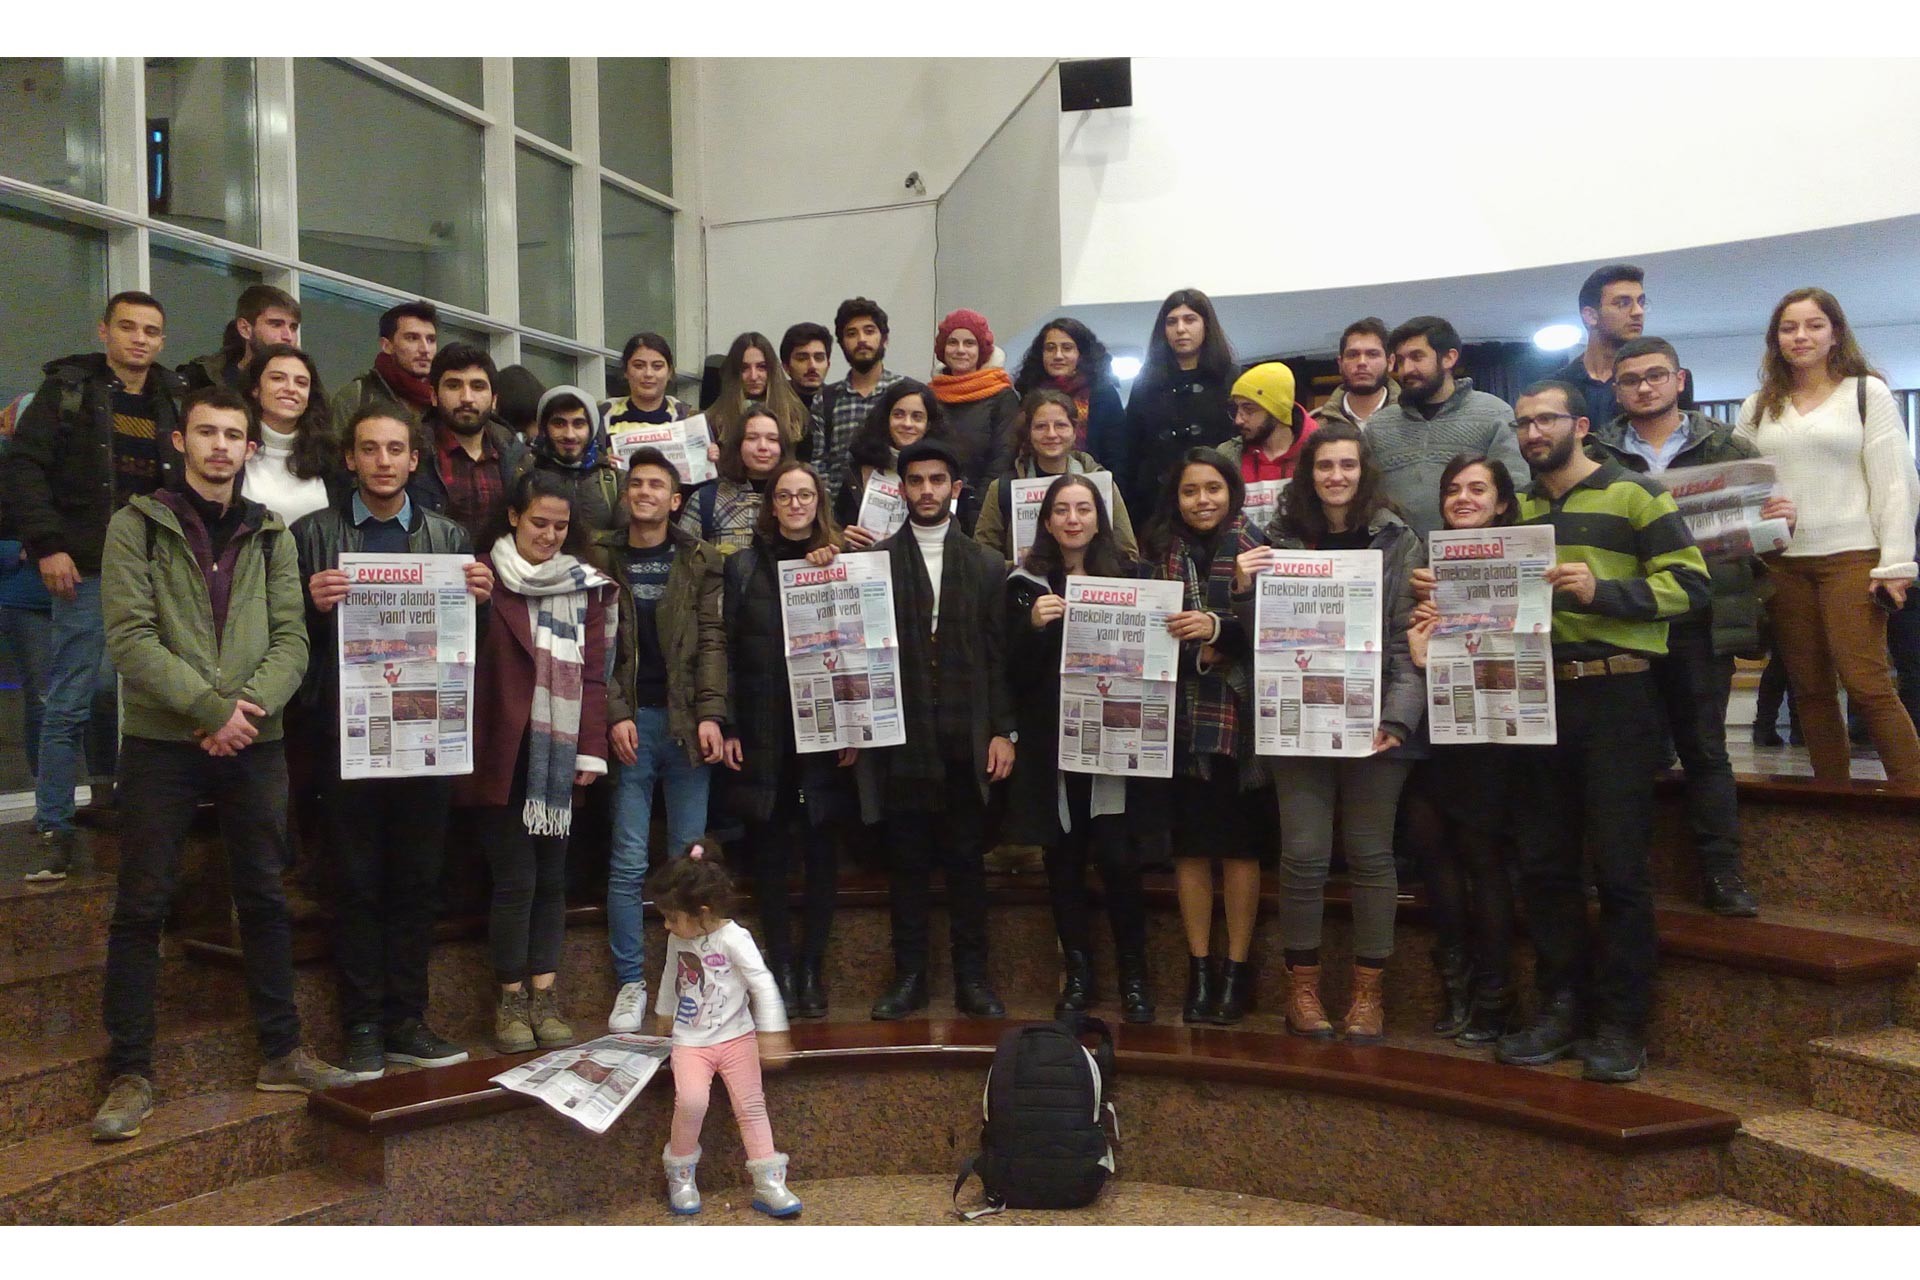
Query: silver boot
(683, 1197)
(770, 1194)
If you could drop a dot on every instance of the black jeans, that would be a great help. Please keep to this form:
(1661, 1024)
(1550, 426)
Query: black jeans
(1467, 788)
(389, 838)
(1694, 684)
(160, 784)
(955, 839)
(528, 919)
(1593, 790)
(786, 838)
(1104, 841)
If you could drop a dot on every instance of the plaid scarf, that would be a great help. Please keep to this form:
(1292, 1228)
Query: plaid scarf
(557, 595)
(1210, 716)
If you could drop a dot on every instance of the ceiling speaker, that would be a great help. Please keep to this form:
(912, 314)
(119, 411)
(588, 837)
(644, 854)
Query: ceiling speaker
(1095, 84)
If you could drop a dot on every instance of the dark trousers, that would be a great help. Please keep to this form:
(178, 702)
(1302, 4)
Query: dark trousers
(1694, 684)
(1771, 693)
(1593, 790)
(160, 785)
(789, 838)
(388, 837)
(955, 840)
(1466, 788)
(1103, 841)
(528, 919)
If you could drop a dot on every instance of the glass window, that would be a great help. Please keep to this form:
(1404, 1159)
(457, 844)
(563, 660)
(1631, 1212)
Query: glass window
(545, 204)
(543, 98)
(390, 187)
(51, 292)
(636, 120)
(198, 292)
(201, 171)
(553, 368)
(637, 265)
(53, 132)
(460, 77)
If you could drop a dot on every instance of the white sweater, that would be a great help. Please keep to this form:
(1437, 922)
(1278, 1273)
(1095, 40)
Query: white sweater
(1854, 483)
(708, 984)
(933, 552)
(270, 482)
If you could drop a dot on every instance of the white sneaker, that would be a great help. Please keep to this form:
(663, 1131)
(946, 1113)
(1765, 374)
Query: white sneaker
(629, 1008)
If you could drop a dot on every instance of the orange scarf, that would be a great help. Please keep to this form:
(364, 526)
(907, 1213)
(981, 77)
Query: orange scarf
(965, 388)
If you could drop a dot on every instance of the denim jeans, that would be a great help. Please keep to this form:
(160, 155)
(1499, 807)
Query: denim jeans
(75, 668)
(29, 636)
(661, 759)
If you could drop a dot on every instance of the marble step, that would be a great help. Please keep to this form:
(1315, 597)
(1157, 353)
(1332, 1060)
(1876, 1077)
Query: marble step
(1710, 1211)
(57, 992)
(316, 1196)
(61, 916)
(1873, 1077)
(1819, 1168)
(189, 1146)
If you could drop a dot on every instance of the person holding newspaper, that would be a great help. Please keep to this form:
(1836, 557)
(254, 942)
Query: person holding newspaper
(1042, 444)
(1196, 535)
(1072, 815)
(539, 725)
(907, 411)
(1336, 501)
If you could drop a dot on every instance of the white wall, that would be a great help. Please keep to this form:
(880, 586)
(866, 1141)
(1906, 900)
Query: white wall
(1728, 368)
(1218, 175)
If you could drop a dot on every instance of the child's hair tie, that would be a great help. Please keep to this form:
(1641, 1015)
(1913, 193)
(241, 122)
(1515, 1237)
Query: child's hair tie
(695, 852)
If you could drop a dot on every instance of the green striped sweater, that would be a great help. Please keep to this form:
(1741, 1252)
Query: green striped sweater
(1626, 528)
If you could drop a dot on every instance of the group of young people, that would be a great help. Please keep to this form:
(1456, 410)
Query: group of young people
(632, 628)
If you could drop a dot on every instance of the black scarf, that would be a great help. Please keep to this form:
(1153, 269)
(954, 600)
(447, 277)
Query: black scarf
(940, 679)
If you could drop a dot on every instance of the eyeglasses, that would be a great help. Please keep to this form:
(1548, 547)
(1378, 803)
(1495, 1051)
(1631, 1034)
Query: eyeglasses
(804, 498)
(1545, 421)
(1634, 381)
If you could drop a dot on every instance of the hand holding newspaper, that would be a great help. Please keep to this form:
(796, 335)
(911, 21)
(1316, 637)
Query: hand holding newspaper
(1317, 653)
(684, 443)
(1025, 497)
(407, 643)
(1721, 504)
(1489, 664)
(843, 654)
(1118, 667)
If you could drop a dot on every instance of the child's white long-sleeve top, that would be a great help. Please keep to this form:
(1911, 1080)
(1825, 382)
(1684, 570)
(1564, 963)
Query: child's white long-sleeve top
(708, 984)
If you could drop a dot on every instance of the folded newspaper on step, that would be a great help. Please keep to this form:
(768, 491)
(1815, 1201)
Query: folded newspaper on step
(594, 1083)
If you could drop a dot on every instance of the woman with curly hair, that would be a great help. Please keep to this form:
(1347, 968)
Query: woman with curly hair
(1066, 356)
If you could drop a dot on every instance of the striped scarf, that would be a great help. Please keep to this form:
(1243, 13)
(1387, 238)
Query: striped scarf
(557, 593)
(1211, 703)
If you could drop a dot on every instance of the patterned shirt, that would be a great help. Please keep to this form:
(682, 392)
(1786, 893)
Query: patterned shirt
(832, 436)
(475, 489)
(136, 454)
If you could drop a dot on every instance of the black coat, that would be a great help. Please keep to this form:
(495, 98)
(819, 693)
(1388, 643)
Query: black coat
(1166, 420)
(758, 695)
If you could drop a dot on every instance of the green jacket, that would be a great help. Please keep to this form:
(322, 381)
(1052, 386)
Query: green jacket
(693, 638)
(179, 681)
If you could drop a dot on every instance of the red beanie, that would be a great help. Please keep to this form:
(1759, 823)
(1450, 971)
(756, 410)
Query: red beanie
(973, 322)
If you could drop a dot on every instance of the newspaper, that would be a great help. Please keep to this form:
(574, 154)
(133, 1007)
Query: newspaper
(593, 1083)
(1317, 653)
(684, 442)
(843, 654)
(1027, 495)
(1118, 667)
(883, 507)
(407, 642)
(1490, 660)
(1263, 502)
(1721, 505)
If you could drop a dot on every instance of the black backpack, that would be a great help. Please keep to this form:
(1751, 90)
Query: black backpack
(1042, 1145)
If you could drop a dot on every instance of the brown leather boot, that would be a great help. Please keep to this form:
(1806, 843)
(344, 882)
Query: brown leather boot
(1366, 1020)
(1305, 1017)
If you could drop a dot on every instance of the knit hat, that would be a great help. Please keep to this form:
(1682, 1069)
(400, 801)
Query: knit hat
(1270, 386)
(554, 393)
(973, 322)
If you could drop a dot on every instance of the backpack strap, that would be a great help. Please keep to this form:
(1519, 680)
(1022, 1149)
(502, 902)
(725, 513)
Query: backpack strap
(972, 1215)
(1860, 398)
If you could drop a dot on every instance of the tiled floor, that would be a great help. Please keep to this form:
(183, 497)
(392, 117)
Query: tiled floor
(1790, 761)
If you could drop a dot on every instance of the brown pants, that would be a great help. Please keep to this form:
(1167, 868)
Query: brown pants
(1824, 623)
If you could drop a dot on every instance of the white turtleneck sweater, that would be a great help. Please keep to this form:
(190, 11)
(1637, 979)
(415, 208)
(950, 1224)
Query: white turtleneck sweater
(933, 552)
(270, 480)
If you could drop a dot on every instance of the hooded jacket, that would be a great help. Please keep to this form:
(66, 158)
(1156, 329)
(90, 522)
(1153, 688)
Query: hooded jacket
(594, 482)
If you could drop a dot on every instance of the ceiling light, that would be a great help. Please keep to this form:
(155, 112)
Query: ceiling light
(1126, 368)
(1558, 337)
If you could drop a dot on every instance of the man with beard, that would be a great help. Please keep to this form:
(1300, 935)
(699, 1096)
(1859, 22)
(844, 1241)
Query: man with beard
(1437, 418)
(806, 350)
(1626, 567)
(948, 606)
(1613, 307)
(1364, 388)
(842, 406)
(409, 337)
(262, 317)
(1271, 423)
(469, 457)
(568, 442)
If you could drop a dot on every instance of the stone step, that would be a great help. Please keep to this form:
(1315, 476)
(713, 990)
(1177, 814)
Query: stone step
(314, 1196)
(62, 916)
(1711, 1211)
(1872, 1076)
(56, 993)
(189, 1146)
(1824, 1169)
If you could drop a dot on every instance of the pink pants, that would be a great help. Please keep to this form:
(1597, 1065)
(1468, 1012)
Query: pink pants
(738, 1062)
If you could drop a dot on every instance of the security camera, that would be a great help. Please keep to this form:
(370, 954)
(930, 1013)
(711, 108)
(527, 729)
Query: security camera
(914, 184)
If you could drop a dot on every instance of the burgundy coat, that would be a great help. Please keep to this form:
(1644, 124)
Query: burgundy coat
(503, 694)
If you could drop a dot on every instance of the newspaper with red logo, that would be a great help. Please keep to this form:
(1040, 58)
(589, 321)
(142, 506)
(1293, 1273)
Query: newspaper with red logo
(407, 644)
(1118, 668)
(592, 1084)
(1721, 504)
(1317, 653)
(1025, 497)
(684, 443)
(883, 508)
(843, 654)
(1490, 660)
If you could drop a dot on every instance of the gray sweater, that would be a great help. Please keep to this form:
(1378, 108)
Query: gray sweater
(1412, 452)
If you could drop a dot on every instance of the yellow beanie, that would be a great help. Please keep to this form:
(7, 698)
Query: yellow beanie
(1270, 386)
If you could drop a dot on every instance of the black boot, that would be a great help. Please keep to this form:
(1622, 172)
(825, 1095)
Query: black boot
(1200, 982)
(975, 998)
(908, 993)
(1490, 1014)
(1552, 1034)
(809, 993)
(1076, 996)
(1136, 1003)
(1234, 996)
(1456, 985)
(783, 978)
